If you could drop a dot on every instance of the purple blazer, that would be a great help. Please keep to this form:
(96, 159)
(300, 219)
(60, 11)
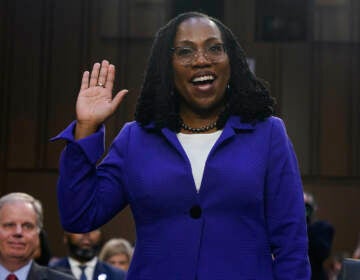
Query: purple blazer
(246, 222)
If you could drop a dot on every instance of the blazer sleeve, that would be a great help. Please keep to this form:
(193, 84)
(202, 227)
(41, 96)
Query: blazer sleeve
(90, 195)
(284, 208)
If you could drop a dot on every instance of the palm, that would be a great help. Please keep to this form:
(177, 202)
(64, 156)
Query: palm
(94, 105)
(95, 102)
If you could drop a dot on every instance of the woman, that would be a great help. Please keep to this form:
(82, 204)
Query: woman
(117, 252)
(210, 176)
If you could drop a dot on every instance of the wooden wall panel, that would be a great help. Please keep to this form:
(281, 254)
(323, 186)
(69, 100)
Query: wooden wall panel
(355, 24)
(268, 65)
(137, 61)
(243, 26)
(154, 11)
(25, 83)
(296, 100)
(335, 110)
(355, 106)
(333, 22)
(68, 44)
(4, 57)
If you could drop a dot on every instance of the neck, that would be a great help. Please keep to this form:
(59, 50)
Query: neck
(13, 265)
(206, 128)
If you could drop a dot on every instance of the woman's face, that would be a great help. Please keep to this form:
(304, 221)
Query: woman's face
(120, 261)
(200, 78)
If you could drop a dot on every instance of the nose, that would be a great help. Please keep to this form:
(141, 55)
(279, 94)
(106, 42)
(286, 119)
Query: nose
(200, 58)
(18, 230)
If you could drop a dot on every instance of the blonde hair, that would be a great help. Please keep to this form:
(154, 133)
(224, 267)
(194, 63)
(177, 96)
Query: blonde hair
(114, 247)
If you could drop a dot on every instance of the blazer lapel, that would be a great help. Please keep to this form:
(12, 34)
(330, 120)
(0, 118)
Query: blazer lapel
(36, 272)
(97, 271)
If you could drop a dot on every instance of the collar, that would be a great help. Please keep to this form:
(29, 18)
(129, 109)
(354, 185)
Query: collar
(21, 273)
(76, 263)
(234, 121)
(238, 125)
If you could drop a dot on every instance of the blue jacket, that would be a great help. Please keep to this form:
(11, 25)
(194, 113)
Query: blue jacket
(101, 268)
(246, 222)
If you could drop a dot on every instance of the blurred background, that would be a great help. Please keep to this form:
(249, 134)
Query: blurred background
(308, 50)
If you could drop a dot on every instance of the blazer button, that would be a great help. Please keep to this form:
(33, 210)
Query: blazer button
(195, 212)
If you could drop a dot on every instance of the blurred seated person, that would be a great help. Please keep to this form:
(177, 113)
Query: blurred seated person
(321, 235)
(335, 265)
(21, 220)
(43, 254)
(82, 261)
(356, 253)
(117, 252)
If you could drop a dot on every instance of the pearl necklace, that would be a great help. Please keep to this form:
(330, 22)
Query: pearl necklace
(200, 129)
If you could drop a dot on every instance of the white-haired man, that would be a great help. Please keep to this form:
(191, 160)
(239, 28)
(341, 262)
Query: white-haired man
(21, 219)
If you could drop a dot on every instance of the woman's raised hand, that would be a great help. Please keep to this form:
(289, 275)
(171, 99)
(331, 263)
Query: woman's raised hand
(95, 102)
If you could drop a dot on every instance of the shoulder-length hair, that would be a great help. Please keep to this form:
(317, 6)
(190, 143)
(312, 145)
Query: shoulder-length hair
(247, 96)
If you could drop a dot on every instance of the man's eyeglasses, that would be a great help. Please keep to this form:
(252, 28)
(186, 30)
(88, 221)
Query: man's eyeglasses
(186, 55)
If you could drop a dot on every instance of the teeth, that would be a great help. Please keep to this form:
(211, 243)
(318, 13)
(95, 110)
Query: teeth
(203, 78)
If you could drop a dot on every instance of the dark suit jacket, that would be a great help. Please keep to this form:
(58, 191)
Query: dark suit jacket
(112, 273)
(38, 272)
(321, 235)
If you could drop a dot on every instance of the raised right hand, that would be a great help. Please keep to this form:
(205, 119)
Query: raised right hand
(95, 102)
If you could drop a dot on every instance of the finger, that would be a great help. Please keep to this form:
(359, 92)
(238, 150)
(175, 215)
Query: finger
(94, 74)
(103, 73)
(110, 77)
(118, 98)
(85, 80)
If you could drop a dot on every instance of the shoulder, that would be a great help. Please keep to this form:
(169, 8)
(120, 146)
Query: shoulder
(276, 127)
(272, 122)
(62, 262)
(55, 274)
(129, 127)
(108, 269)
(45, 273)
(320, 226)
(134, 130)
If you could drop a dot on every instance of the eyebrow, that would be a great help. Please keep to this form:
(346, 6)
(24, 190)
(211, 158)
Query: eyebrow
(206, 41)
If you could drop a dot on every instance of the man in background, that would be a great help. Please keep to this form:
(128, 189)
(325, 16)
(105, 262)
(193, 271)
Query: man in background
(321, 235)
(21, 220)
(83, 262)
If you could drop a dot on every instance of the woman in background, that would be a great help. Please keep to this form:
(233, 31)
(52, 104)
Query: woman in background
(117, 252)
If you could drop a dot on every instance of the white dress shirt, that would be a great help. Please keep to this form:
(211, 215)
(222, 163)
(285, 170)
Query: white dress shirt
(89, 270)
(21, 273)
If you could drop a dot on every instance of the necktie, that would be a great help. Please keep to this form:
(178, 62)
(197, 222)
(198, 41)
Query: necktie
(82, 275)
(11, 277)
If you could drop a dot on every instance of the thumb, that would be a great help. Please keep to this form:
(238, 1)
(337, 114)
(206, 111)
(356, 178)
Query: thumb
(118, 98)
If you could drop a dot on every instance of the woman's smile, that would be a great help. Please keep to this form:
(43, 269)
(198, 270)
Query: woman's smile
(201, 67)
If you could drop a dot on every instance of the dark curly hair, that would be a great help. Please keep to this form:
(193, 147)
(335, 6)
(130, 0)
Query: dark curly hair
(247, 96)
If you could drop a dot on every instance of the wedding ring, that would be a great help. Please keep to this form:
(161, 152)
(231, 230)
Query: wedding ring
(100, 85)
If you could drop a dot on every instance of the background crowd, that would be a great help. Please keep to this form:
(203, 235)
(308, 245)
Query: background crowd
(25, 251)
(91, 257)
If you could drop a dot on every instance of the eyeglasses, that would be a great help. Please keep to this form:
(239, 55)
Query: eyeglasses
(186, 55)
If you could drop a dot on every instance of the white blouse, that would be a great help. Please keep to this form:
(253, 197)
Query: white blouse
(197, 148)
